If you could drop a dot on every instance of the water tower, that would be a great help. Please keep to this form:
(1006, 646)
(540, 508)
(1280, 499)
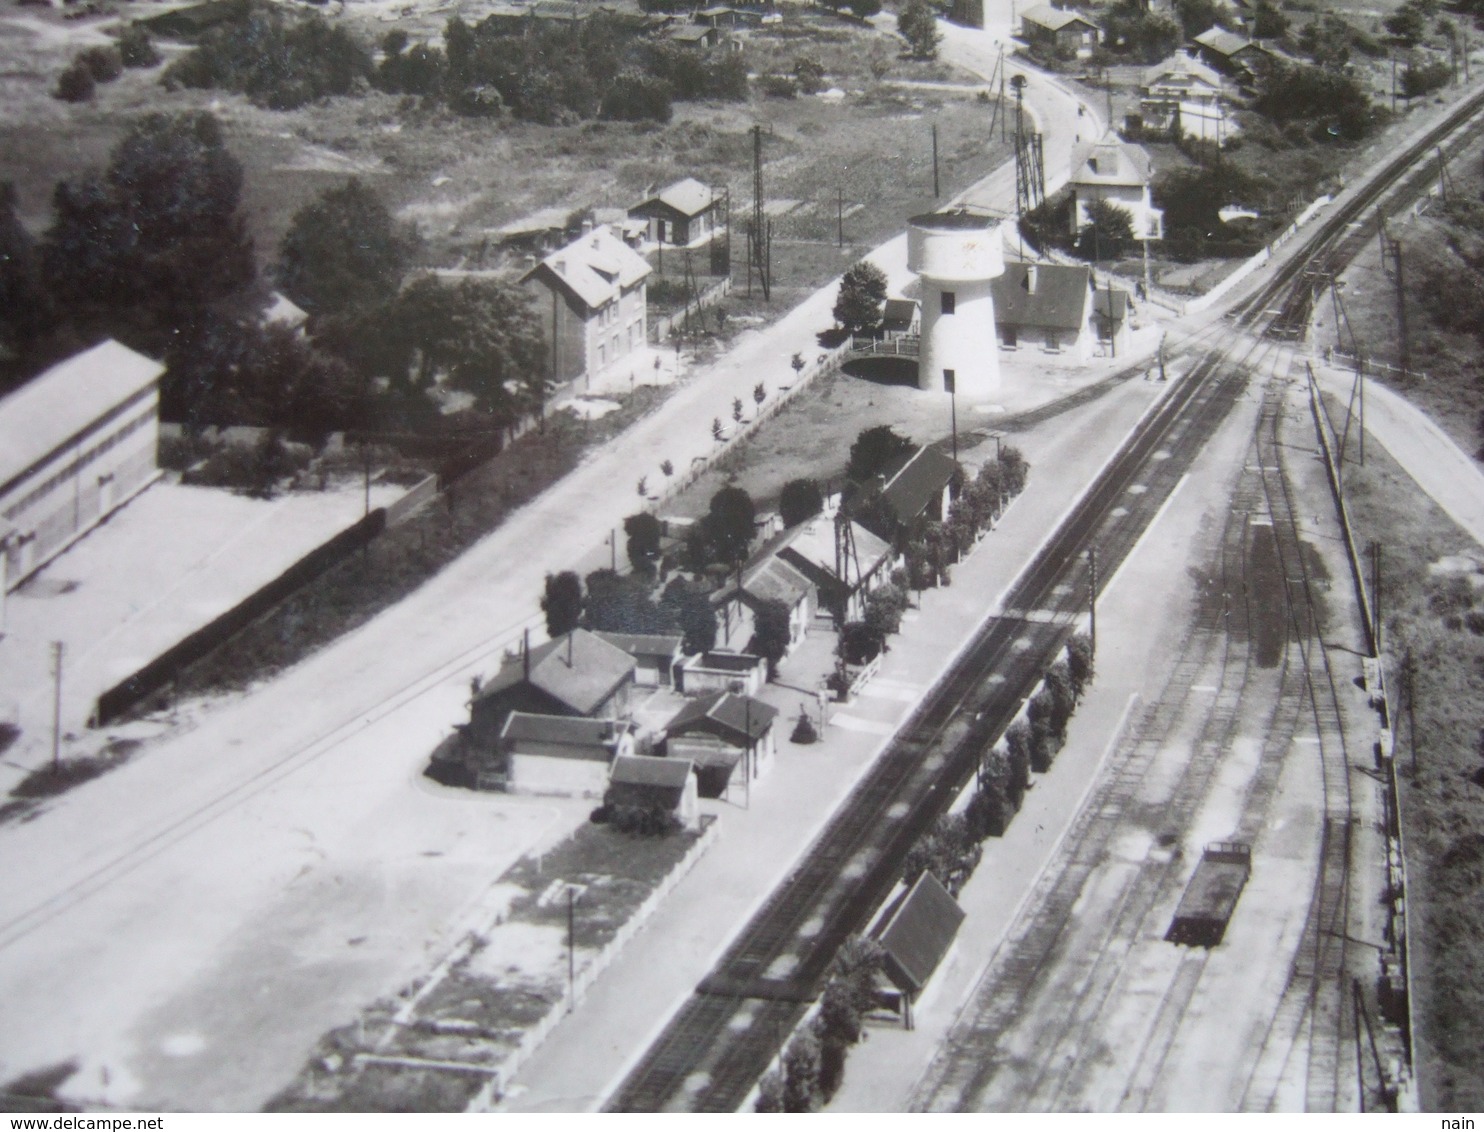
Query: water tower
(957, 254)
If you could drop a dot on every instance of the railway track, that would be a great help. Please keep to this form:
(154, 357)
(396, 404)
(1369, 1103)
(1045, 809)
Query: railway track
(715, 1044)
(723, 1038)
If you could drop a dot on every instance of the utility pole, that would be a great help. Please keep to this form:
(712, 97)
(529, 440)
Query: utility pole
(1376, 590)
(1092, 597)
(1409, 687)
(840, 217)
(1393, 82)
(760, 235)
(571, 947)
(953, 412)
(936, 192)
(58, 649)
(1401, 307)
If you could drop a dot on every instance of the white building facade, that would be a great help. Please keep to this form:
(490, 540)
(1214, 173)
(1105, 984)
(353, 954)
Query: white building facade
(76, 444)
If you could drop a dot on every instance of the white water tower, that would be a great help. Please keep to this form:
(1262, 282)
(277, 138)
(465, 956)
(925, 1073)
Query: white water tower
(957, 254)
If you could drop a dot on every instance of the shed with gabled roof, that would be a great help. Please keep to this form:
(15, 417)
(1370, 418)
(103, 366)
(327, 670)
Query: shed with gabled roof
(1044, 304)
(552, 755)
(647, 782)
(719, 730)
(1061, 31)
(683, 214)
(655, 654)
(916, 932)
(919, 485)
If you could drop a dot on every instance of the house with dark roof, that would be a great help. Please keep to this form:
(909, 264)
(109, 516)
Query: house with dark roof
(578, 674)
(655, 654)
(1060, 32)
(901, 318)
(1044, 306)
(843, 560)
(915, 932)
(721, 16)
(699, 37)
(1119, 172)
(919, 485)
(552, 754)
(1233, 55)
(719, 731)
(649, 783)
(685, 214)
(593, 304)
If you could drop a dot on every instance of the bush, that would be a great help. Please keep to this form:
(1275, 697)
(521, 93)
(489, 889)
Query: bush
(988, 811)
(104, 63)
(780, 86)
(136, 49)
(642, 821)
(804, 731)
(637, 97)
(801, 1074)
(75, 84)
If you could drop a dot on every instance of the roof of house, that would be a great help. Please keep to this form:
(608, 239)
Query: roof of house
(811, 549)
(899, 314)
(1182, 69)
(596, 267)
(1110, 161)
(918, 933)
(773, 579)
(1227, 43)
(689, 197)
(579, 669)
(566, 10)
(553, 219)
(650, 770)
(690, 33)
(1054, 19)
(583, 738)
(913, 481)
(65, 401)
(740, 717)
(1041, 294)
(644, 644)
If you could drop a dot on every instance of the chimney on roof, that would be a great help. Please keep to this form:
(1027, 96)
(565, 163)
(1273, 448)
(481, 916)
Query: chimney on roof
(1030, 279)
(561, 266)
(587, 226)
(525, 653)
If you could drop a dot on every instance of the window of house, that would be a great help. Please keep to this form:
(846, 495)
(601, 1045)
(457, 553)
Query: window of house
(1053, 341)
(950, 381)
(1007, 337)
(947, 301)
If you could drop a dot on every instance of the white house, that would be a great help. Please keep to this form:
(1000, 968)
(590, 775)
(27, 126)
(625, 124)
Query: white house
(684, 214)
(76, 444)
(1116, 171)
(1184, 92)
(1045, 307)
(594, 309)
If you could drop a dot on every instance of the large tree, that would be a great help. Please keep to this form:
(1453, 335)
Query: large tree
(1108, 229)
(918, 24)
(730, 524)
(24, 307)
(142, 249)
(771, 633)
(343, 250)
(799, 501)
(862, 294)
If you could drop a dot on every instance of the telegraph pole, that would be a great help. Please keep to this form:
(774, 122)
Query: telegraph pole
(1401, 307)
(58, 648)
(840, 217)
(571, 947)
(936, 193)
(1092, 597)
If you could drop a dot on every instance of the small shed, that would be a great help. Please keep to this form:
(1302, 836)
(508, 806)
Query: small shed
(919, 485)
(1059, 31)
(647, 782)
(554, 755)
(915, 933)
(655, 655)
(715, 731)
(845, 562)
(683, 214)
(722, 671)
(902, 318)
(578, 674)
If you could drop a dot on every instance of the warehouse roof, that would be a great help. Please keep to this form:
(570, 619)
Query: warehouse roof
(67, 401)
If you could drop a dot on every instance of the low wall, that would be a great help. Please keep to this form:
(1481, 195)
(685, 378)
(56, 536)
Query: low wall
(165, 668)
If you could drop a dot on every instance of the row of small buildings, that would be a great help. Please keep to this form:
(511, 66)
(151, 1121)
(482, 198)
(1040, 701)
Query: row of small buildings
(562, 717)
